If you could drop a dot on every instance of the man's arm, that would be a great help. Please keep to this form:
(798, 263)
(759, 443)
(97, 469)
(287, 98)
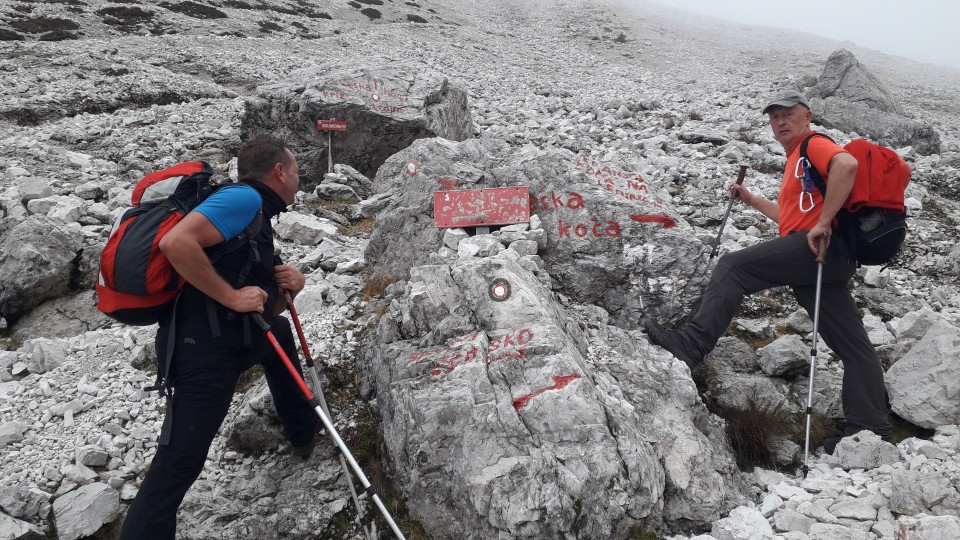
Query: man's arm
(184, 245)
(766, 207)
(843, 172)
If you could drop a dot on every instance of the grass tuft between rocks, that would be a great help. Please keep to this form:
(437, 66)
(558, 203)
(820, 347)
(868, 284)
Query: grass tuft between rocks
(752, 431)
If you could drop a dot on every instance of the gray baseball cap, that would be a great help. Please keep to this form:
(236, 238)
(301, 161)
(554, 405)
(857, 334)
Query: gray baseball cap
(788, 98)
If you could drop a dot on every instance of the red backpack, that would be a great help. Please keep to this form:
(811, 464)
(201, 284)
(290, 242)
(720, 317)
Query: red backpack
(873, 218)
(137, 284)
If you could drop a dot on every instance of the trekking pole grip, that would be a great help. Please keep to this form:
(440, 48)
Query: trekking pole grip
(821, 248)
(261, 322)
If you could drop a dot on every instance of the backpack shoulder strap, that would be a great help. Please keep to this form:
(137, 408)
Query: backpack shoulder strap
(244, 236)
(812, 170)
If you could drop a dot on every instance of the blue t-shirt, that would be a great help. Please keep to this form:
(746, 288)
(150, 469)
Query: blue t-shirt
(231, 209)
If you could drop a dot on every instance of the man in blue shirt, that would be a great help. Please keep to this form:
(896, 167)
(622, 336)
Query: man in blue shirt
(214, 340)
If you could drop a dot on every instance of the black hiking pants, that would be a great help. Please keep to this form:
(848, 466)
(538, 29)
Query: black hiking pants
(788, 261)
(204, 376)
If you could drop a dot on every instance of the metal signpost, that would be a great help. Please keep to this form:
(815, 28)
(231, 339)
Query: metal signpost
(330, 126)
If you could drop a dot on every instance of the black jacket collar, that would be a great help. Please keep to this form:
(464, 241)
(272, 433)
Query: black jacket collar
(273, 204)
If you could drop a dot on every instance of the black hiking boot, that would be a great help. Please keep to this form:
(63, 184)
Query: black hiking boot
(304, 452)
(830, 444)
(673, 342)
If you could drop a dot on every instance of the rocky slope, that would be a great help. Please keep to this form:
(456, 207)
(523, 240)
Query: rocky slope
(567, 98)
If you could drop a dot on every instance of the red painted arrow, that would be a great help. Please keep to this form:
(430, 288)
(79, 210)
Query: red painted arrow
(667, 221)
(559, 382)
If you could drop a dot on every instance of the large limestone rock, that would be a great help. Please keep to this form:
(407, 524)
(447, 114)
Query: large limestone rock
(12, 528)
(304, 229)
(734, 390)
(924, 385)
(611, 238)
(84, 511)
(743, 523)
(11, 432)
(922, 491)
(43, 355)
(865, 450)
(24, 502)
(385, 109)
(924, 527)
(294, 499)
(504, 420)
(845, 77)
(37, 259)
(61, 317)
(880, 127)
(786, 356)
(850, 98)
(256, 427)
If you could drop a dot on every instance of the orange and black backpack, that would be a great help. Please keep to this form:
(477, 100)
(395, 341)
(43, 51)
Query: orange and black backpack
(873, 218)
(137, 285)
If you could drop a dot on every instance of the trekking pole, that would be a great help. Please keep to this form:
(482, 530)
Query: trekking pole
(344, 451)
(716, 243)
(315, 380)
(821, 252)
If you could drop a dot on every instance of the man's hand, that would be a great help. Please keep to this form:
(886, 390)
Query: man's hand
(289, 278)
(816, 233)
(739, 190)
(247, 300)
(767, 208)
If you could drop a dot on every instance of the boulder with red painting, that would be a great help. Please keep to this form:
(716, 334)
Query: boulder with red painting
(610, 236)
(508, 413)
(385, 109)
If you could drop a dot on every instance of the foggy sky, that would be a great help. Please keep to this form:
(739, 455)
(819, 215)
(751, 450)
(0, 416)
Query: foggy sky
(921, 30)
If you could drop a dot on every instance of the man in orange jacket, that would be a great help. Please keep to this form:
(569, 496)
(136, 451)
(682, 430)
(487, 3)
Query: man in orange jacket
(803, 217)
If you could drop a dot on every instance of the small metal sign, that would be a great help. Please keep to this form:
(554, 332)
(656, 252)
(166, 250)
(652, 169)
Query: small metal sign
(481, 207)
(331, 125)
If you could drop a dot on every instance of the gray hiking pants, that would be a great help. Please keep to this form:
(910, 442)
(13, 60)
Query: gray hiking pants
(788, 261)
